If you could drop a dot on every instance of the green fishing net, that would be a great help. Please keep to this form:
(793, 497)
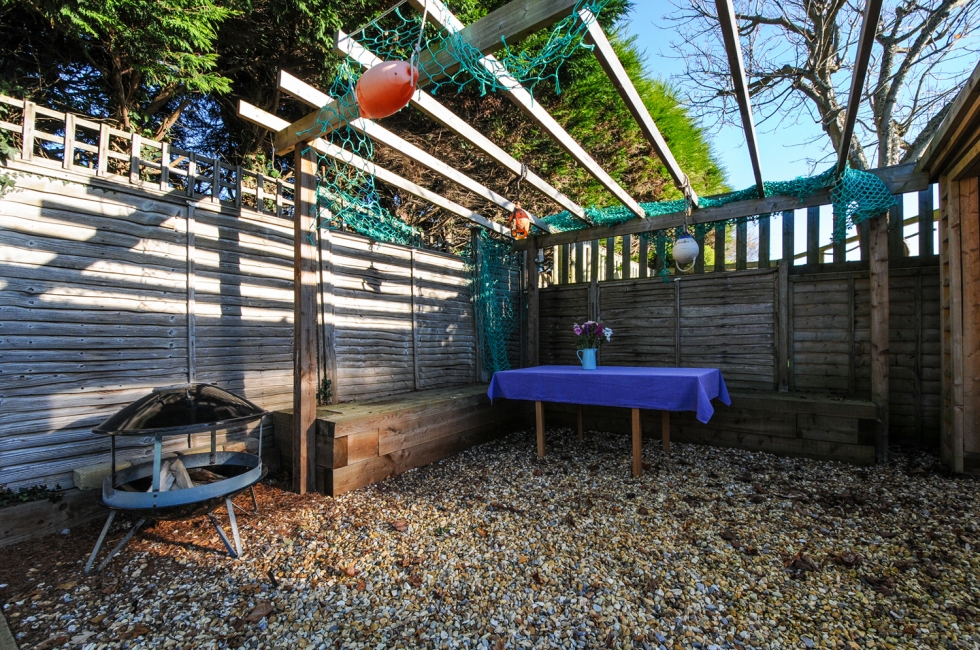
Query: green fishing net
(498, 308)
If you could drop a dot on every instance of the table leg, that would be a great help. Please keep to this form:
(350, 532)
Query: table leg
(637, 445)
(665, 430)
(539, 418)
(581, 435)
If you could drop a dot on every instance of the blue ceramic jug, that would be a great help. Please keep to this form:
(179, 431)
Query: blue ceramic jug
(587, 357)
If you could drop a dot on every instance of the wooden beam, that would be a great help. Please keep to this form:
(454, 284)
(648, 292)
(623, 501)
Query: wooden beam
(523, 99)
(429, 105)
(729, 32)
(270, 121)
(304, 326)
(878, 244)
(310, 95)
(899, 179)
(533, 337)
(872, 12)
(607, 58)
(965, 108)
(485, 35)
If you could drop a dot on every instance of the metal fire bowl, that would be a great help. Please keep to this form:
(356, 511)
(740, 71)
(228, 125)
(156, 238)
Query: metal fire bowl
(188, 502)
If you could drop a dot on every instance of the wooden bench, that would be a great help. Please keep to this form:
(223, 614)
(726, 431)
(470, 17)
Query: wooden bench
(786, 424)
(360, 443)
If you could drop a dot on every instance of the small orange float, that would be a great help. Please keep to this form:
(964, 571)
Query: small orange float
(386, 88)
(519, 222)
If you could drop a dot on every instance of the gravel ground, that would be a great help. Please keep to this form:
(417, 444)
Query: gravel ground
(712, 548)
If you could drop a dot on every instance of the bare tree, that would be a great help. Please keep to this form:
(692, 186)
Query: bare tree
(798, 56)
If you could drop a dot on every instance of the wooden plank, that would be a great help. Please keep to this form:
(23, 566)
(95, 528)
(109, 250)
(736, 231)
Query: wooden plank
(627, 257)
(730, 35)
(878, 231)
(720, 248)
(28, 521)
(304, 337)
(665, 431)
(926, 211)
(899, 179)
(813, 235)
(851, 339)
(869, 28)
(262, 118)
(610, 259)
(969, 191)
(765, 241)
(644, 257)
(429, 105)
(191, 289)
(741, 246)
(610, 62)
(896, 231)
(27, 132)
(945, 142)
(579, 262)
(515, 17)
(781, 326)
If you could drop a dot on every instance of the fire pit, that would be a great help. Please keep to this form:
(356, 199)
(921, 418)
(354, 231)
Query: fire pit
(164, 488)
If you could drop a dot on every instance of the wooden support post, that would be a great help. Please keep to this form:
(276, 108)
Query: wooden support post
(926, 223)
(699, 262)
(896, 230)
(579, 261)
(637, 444)
(327, 305)
(69, 151)
(665, 431)
(594, 261)
(304, 325)
(539, 422)
(782, 326)
(531, 269)
(644, 257)
(579, 427)
(102, 169)
(851, 339)
(476, 246)
(563, 264)
(27, 132)
(765, 241)
(610, 258)
(191, 298)
(878, 246)
(165, 168)
(789, 236)
(627, 257)
(720, 248)
(813, 235)
(840, 251)
(677, 324)
(741, 246)
(135, 149)
(415, 323)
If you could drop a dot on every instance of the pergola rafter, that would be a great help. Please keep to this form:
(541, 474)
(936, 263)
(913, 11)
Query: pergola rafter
(505, 20)
(313, 97)
(729, 32)
(273, 123)
(607, 58)
(872, 13)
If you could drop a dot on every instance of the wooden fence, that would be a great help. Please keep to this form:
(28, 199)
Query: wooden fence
(117, 276)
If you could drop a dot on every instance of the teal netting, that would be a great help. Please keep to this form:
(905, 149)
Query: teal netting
(856, 196)
(498, 308)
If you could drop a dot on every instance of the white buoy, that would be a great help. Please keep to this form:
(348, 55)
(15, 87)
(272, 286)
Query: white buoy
(686, 250)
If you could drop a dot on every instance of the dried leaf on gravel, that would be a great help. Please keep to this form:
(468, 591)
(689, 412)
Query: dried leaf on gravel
(400, 525)
(848, 559)
(800, 563)
(262, 609)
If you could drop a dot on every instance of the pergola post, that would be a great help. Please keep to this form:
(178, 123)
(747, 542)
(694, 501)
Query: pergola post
(878, 247)
(304, 323)
(531, 271)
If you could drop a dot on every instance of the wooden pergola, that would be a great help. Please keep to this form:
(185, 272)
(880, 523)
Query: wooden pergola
(512, 22)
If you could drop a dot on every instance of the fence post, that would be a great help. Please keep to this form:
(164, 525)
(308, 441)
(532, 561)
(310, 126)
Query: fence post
(134, 159)
(765, 239)
(27, 133)
(103, 167)
(69, 152)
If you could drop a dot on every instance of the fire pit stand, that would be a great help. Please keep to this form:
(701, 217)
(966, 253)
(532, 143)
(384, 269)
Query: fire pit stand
(163, 488)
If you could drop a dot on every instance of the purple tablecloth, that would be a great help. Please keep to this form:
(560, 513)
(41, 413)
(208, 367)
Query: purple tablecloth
(663, 389)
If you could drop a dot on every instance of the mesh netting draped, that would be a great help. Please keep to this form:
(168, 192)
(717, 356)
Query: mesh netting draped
(856, 196)
(498, 309)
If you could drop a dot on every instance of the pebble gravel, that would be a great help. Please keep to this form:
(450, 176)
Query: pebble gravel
(712, 548)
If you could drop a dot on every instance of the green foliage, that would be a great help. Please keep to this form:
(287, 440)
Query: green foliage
(9, 497)
(323, 392)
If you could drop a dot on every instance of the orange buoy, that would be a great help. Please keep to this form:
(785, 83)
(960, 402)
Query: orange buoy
(385, 89)
(519, 222)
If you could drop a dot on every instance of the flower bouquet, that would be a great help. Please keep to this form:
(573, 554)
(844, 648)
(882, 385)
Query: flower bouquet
(590, 336)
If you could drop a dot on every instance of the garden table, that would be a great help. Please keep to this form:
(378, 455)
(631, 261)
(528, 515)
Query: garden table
(662, 389)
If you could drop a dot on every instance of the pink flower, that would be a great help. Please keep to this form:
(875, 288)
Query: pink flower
(578, 330)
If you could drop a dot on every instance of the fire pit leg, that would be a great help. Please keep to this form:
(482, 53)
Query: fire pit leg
(221, 534)
(234, 525)
(98, 544)
(129, 536)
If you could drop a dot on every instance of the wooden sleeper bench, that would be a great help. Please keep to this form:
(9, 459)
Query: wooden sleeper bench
(360, 443)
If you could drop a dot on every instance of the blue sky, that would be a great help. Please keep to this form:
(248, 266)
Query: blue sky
(783, 154)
